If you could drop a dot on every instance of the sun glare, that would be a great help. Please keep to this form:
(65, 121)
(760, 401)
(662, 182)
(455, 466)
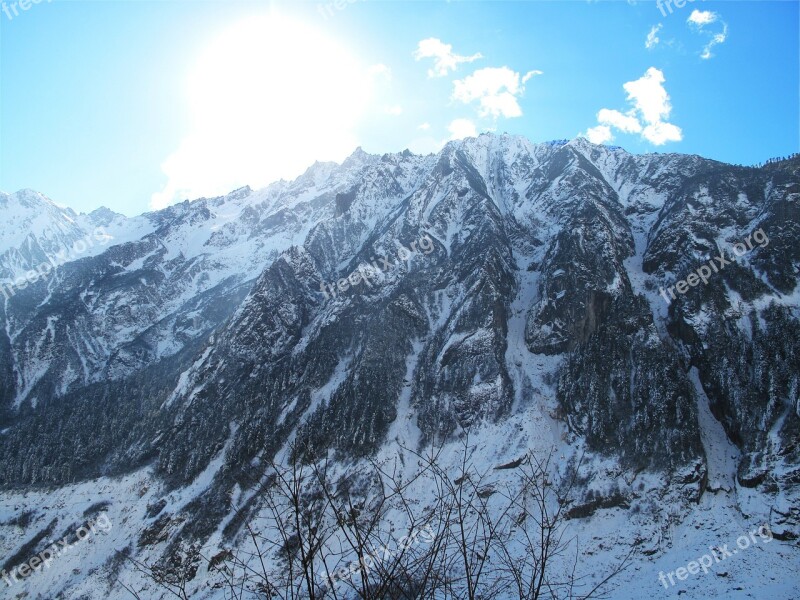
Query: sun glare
(266, 98)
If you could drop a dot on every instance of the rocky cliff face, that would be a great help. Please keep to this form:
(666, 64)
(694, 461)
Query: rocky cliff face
(406, 299)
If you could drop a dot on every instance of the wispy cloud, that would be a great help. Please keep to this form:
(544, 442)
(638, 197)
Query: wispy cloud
(718, 38)
(530, 74)
(652, 37)
(699, 20)
(445, 60)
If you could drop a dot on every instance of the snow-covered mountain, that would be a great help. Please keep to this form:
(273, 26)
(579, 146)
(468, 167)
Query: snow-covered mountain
(35, 230)
(560, 299)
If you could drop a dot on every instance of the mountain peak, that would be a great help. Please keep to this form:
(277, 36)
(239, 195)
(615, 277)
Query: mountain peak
(27, 196)
(104, 216)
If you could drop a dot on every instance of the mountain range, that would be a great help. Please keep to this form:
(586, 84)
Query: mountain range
(636, 317)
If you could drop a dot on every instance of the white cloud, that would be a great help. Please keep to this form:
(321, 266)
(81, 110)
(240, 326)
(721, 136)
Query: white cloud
(444, 58)
(424, 126)
(660, 133)
(394, 110)
(702, 17)
(652, 37)
(648, 96)
(495, 88)
(600, 134)
(625, 123)
(650, 109)
(462, 128)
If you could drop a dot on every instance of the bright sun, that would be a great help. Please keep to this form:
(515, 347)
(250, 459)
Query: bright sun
(266, 99)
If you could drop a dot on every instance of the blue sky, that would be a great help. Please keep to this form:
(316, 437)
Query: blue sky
(137, 104)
